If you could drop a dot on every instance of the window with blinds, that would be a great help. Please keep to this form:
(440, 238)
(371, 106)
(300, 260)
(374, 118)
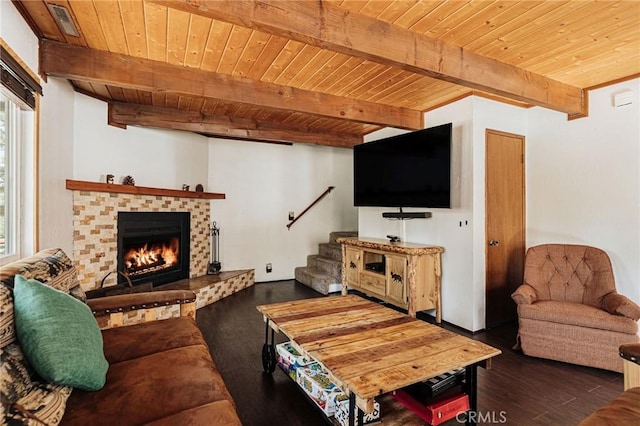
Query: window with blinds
(18, 81)
(18, 94)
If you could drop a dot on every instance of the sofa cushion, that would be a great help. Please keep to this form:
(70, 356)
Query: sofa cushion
(22, 399)
(150, 388)
(7, 323)
(218, 413)
(624, 410)
(59, 336)
(51, 266)
(577, 314)
(123, 343)
(15, 380)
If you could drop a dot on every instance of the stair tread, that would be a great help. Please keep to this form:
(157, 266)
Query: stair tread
(315, 272)
(325, 258)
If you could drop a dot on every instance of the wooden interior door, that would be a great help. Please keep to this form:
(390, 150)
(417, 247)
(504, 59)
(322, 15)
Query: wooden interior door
(505, 224)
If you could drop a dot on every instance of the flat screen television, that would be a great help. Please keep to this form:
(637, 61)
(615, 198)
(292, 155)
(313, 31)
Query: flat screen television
(408, 170)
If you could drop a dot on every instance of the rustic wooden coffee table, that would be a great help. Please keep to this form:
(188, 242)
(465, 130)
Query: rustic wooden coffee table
(369, 349)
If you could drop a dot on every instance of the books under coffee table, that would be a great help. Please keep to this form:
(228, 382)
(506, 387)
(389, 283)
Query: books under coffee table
(369, 350)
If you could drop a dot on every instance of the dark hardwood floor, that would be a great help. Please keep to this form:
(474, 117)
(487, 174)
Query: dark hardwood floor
(517, 390)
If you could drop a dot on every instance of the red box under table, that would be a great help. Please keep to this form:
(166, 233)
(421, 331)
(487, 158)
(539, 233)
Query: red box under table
(436, 412)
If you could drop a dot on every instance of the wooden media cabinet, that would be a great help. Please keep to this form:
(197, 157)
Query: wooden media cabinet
(406, 275)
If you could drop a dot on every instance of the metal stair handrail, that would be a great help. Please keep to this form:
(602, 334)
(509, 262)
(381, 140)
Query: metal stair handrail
(324, 194)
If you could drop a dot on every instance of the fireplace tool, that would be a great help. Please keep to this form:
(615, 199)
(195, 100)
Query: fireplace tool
(119, 288)
(214, 265)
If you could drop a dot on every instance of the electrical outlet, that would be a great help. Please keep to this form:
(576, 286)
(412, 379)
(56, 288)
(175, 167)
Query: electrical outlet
(269, 268)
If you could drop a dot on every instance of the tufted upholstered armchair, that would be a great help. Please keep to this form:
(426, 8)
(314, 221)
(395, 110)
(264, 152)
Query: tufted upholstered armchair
(569, 310)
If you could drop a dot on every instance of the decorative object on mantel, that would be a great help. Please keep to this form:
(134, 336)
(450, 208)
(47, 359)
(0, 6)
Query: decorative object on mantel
(199, 188)
(185, 187)
(214, 266)
(110, 179)
(128, 180)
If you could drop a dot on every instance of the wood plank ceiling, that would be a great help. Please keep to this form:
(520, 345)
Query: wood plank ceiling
(329, 72)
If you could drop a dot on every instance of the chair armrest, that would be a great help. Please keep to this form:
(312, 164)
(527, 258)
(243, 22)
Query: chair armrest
(618, 304)
(129, 309)
(631, 352)
(524, 295)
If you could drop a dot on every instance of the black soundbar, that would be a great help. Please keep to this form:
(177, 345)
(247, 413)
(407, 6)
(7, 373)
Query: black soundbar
(406, 215)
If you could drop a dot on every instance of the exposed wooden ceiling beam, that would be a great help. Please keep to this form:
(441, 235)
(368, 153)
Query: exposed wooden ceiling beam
(322, 24)
(222, 126)
(97, 66)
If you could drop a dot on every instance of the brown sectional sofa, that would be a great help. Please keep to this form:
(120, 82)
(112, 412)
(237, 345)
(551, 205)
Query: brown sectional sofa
(625, 409)
(160, 370)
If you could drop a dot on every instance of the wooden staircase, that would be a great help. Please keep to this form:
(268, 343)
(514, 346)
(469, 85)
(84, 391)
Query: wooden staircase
(323, 272)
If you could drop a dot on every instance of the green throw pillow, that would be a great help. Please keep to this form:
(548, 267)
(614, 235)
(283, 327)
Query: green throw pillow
(59, 336)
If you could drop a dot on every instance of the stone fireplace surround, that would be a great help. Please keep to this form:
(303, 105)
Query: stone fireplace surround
(95, 216)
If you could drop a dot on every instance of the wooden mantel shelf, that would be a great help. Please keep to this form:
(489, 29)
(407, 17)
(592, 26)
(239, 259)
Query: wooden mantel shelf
(79, 185)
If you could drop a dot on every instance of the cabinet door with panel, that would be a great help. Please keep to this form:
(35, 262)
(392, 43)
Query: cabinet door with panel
(397, 278)
(353, 266)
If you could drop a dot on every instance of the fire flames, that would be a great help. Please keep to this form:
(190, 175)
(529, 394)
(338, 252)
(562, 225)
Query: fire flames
(151, 257)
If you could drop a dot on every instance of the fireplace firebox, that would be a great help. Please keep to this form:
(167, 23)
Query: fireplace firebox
(153, 247)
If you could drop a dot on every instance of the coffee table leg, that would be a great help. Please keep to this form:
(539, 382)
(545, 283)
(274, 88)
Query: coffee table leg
(471, 388)
(352, 409)
(269, 350)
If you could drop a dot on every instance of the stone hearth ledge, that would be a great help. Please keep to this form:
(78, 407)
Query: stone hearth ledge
(208, 289)
(211, 288)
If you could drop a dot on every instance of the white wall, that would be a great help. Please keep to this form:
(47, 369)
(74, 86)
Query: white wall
(263, 182)
(56, 165)
(583, 181)
(17, 34)
(153, 157)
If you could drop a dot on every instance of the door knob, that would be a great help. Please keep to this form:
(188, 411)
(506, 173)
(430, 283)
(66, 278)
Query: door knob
(493, 242)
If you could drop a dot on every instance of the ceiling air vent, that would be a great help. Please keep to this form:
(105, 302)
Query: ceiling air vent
(63, 19)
